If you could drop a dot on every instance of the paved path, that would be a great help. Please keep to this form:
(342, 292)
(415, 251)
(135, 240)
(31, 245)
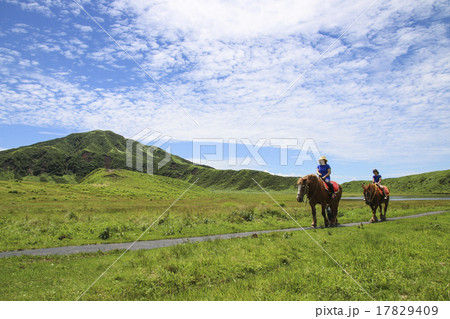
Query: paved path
(151, 244)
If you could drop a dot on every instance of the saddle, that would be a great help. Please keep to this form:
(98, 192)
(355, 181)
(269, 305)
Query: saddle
(335, 186)
(386, 190)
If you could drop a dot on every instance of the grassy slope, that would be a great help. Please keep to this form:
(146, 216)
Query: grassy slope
(402, 260)
(135, 184)
(427, 183)
(76, 154)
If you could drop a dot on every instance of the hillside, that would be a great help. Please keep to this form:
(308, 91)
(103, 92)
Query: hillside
(71, 158)
(119, 182)
(76, 154)
(427, 183)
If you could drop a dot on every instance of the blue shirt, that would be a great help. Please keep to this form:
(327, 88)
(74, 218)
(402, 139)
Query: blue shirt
(376, 178)
(323, 169)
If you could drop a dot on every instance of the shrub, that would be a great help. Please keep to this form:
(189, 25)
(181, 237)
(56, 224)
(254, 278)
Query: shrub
(170, 231)
(72, 215)
(274, 213)
(241, 216)
(105, 234)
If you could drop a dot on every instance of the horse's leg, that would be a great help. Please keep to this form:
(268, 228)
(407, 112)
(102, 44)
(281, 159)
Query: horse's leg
(385, 208)
(313, 212)
(335, 213)
(325, 217)
(374, 214)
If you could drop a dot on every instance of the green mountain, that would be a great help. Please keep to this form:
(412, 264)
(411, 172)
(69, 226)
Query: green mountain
(437, 182)
(74, 155)
(69, 159)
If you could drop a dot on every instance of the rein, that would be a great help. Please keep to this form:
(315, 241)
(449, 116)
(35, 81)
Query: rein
(317, 187)
(374, 193)
(306, 191)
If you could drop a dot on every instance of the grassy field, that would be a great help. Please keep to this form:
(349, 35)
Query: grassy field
(401, 260)
(118, 206)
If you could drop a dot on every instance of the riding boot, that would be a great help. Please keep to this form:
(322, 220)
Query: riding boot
(382, 191)
(331, 189)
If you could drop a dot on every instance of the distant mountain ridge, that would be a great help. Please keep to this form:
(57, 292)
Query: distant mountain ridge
(69, 159)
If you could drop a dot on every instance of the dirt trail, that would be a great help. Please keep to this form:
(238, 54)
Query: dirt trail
(152, 244)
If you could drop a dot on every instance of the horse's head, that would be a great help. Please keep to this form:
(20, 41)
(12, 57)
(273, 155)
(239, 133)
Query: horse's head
(368, 193)
(302, 189)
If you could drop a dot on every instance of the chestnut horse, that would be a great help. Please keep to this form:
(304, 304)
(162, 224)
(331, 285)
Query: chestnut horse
(316, 193)
(373, 198)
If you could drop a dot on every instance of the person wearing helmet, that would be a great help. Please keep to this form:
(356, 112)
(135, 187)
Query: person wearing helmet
(376, 179)
(324, 172)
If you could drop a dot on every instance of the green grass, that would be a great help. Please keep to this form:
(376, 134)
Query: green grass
(118, 206)
(401, 260)
(136, 185)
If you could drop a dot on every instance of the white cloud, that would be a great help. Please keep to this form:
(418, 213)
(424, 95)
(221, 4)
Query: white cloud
(52, 133)
(83, 28)
(47, 48)
(19, 30)
(35, 6)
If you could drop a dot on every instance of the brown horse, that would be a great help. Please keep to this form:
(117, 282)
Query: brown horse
(373, 198)
(316, 193)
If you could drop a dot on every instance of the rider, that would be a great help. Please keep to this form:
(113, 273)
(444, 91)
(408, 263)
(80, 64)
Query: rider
(324, 172)
(377, 181)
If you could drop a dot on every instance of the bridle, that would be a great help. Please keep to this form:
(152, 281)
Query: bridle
(306, 186)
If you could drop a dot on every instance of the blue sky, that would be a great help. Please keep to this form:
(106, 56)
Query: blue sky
(367, 81)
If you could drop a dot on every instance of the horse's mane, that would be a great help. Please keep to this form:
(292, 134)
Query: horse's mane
(368, 187)
(312, 177)
(308, 177)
